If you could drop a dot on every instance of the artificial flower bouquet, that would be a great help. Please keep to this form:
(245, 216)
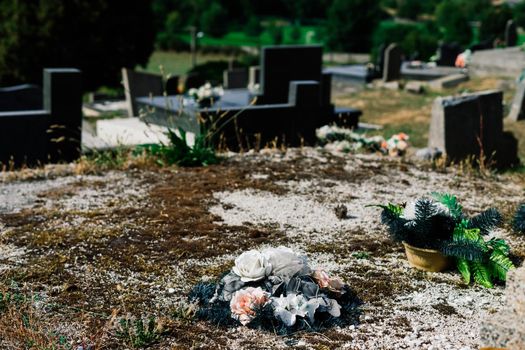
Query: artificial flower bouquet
(206, 95)
(438, 223)
(346, 140)
(396, 145)
(275, 289)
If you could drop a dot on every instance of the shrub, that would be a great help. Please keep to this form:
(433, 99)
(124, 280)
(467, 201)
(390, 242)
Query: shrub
(97, 36)
(351, 23)
(214, 20)
(453, 21)
(416, 39)
(493, 22)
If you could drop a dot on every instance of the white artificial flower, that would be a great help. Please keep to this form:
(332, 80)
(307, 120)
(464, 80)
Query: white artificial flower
(410, 211)
(285, 263)
(251, 266)
(293, 305)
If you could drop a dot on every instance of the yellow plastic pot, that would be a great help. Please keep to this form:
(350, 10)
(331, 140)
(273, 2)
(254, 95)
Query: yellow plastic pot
(426, 259)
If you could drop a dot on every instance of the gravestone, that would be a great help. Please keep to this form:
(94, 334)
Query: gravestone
(447, 54)
(254, 75)
(392, 63)
(511, 33)
(48, 134)
(235, 78)
(140, 84)
(517, 109)
(283, 64)
(20, 97)
(294, 101)
(461, 125)
(63, 98)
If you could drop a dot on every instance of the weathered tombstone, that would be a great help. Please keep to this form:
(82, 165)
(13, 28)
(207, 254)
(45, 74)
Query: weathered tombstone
(447, 54)
(461, 125)
(254, 75)
(283, 64)
(51, 134)
(138, 84)
(392, 63)
(511, 33)
(235, 78)
(517, 109)
(20, 97)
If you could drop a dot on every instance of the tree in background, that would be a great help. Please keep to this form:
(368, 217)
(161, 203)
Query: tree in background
(417, 40)
(453, 19)
(97, 36)
(213, 19)
(519, 13)
(493, 22)
(351, 23)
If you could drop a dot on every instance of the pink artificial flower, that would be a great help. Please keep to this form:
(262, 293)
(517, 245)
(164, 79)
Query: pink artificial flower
(402, 136)
(321, 277)
(324, 281)
(245, 301)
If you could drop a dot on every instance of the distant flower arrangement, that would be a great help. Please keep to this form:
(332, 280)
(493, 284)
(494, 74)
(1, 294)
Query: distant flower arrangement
(206, 95)
(276, 290)
(396, 145)
(345, 140)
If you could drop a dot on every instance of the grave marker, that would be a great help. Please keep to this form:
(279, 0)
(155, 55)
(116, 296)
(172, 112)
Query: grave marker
(448, 53)
(48, 134)
(235, 78)
(511, 33)
(392, 63)
(460, 125)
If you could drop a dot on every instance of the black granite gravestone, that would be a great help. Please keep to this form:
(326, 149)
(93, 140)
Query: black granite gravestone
(20, 97)
(51, 134)
(294, 101)
(447, 54)
(140, 84)
(282, 64)
(235, 78)
(392, 63)
(461, 125)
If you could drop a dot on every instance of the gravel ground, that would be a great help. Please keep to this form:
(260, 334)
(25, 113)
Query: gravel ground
(142, 249)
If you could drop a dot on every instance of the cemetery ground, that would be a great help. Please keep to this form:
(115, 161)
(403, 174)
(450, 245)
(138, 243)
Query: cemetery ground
(88, 249)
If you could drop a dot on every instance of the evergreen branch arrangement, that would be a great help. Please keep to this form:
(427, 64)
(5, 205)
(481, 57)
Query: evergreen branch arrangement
(276, 290)
(439, 223)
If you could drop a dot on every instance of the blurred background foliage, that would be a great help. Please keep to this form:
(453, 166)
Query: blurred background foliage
(101, 36)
